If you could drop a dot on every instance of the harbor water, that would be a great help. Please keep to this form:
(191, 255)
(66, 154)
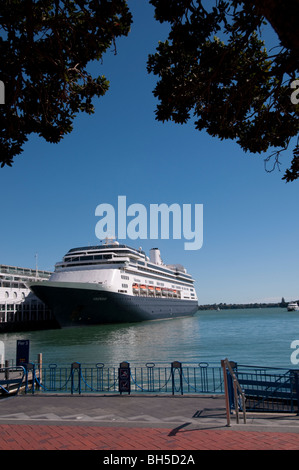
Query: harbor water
(248, 336)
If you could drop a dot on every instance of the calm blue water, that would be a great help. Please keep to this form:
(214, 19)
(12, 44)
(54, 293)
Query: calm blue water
(249, 336)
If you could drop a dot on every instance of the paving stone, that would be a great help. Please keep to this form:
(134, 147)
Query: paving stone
(135, 423)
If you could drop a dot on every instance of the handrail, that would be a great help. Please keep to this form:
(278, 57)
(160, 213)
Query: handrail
(226, 365)
(151, 378)
(13, 378)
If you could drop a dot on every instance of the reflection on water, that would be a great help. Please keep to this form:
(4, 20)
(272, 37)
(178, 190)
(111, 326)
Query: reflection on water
(252, 336)
(160, 340)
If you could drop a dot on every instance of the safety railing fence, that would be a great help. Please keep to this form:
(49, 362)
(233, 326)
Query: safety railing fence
(256, 389)
(174, 378)
(246, 388)
(11, 379)
(269, 389)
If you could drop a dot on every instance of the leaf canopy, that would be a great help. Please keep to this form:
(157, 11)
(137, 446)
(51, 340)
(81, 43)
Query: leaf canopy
(214, 69)
(46, 46)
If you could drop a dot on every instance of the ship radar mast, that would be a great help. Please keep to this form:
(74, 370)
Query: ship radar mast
(111, 241)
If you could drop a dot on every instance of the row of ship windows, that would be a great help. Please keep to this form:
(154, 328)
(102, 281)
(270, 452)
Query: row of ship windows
(62, 265)
(96, 255)
(86, 258)
(162, 284)
(13, 285)
(14, 295)
(109, 257)
(184, 277)
(152, 282)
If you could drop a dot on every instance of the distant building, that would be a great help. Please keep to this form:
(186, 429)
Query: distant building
(17, 302)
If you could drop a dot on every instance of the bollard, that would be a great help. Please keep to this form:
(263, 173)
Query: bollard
(7, 369)
(124, 382)
(76, 366)
(176, 365)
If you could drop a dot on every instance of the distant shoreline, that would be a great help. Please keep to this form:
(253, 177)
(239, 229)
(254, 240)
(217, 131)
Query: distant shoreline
(224, 306)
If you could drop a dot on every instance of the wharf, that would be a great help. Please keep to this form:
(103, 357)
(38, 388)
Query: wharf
(138, 423)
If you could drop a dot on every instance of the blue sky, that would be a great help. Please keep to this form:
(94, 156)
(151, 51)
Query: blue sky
(250, 223)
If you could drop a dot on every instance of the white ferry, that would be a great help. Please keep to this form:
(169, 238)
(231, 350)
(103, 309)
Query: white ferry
(114, 283)
(293, 307)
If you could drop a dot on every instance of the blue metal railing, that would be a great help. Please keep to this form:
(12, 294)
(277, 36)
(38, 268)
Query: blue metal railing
(171, 378)
(11, 379)
(266, 389)
(269, 390)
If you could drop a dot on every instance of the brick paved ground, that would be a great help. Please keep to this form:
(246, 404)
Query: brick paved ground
(71, 437)
(137, 423)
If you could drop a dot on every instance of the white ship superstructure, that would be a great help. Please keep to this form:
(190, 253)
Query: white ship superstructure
(293, 307)
(116, 283)
(120, 268)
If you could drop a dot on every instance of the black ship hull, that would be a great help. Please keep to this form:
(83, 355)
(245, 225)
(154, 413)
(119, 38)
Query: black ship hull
(74, 304)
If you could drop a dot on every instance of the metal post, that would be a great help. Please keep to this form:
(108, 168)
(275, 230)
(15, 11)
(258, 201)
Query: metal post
(244, 408)
(76, 366)
(6, 369)
(52, 376)
(30, 367)
(236, 400)
(236, 386)
(223, 364)
(40, 367)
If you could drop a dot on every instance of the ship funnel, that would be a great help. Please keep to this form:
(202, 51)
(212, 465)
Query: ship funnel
(155, 256)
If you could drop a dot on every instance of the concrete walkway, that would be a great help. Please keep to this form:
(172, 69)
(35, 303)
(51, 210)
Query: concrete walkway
(135, 422)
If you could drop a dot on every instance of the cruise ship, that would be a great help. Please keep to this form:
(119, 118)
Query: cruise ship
(114, 283)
